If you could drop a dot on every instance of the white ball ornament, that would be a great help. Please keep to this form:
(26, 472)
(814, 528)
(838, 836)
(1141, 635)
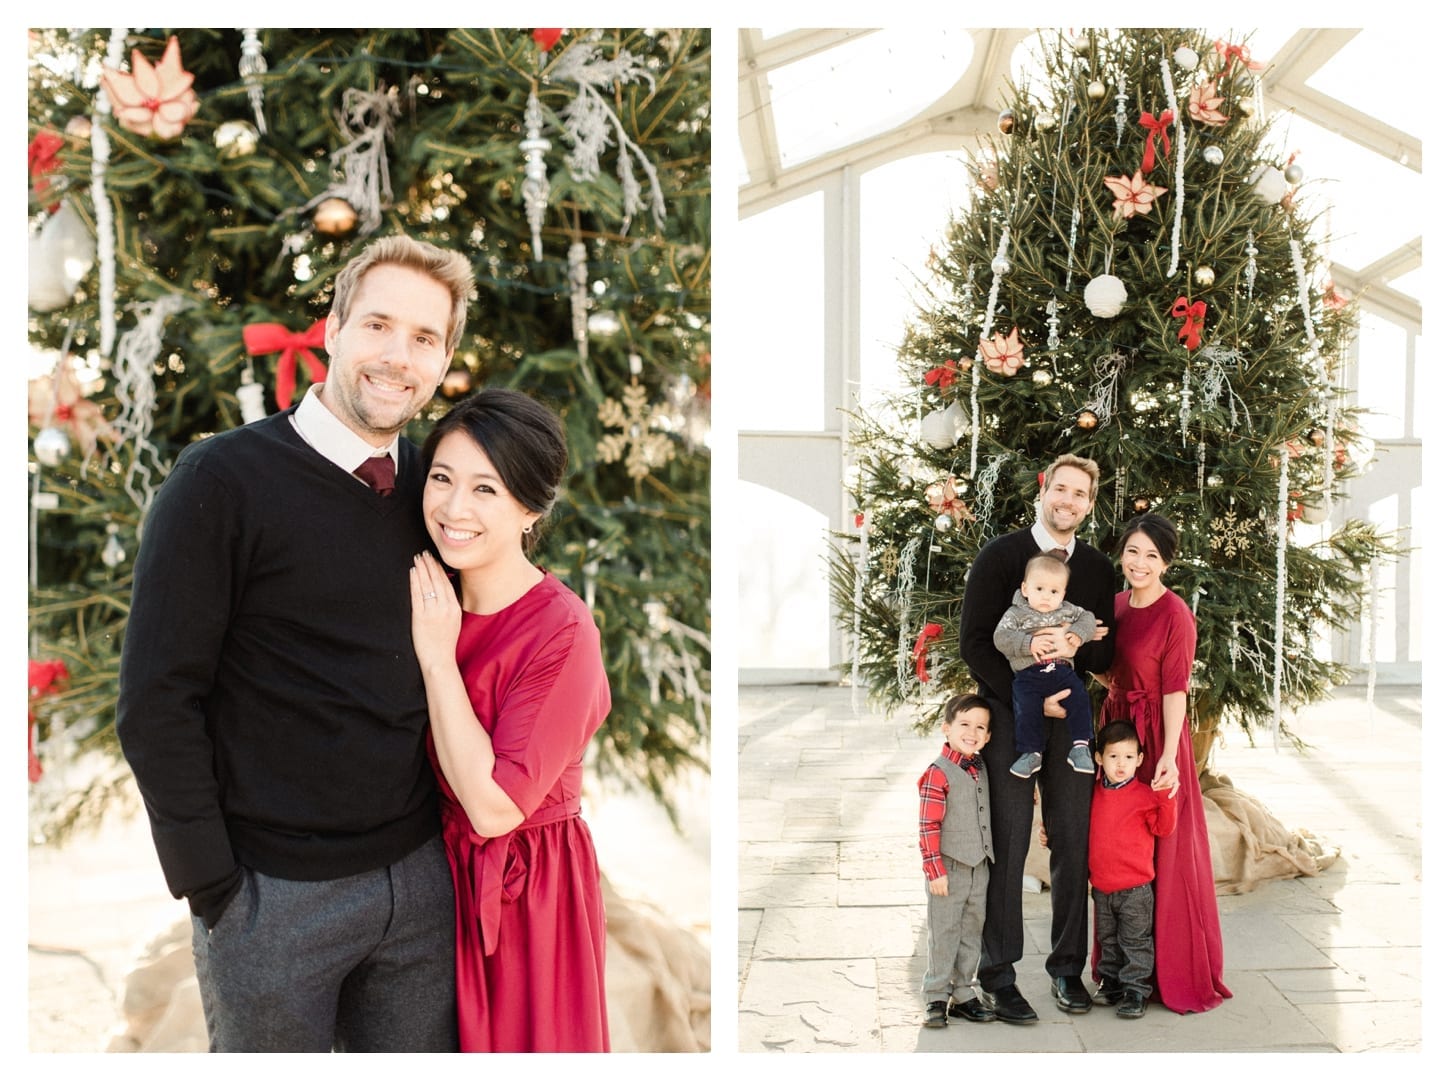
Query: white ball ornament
(61, 254)
(941, 428)
(1105, 296)
(1096, 90)
(1268, 183)
(1314, 509)
(1001, 265)
(51, 446)
(1185, 58)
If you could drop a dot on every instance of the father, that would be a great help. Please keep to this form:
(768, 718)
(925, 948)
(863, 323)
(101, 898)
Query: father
(1069, 487)
(270, 702)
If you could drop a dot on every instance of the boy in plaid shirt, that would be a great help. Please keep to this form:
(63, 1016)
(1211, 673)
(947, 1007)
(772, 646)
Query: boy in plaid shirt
(956, 850)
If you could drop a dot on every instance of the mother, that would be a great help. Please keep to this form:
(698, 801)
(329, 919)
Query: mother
(516, 689)
(1148, 683)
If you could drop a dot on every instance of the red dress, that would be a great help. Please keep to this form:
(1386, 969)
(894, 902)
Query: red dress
(1152, 657)
(530, 912)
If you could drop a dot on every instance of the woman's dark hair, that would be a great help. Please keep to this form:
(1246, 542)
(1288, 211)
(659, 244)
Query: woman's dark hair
(523, 439)
(1159, 530)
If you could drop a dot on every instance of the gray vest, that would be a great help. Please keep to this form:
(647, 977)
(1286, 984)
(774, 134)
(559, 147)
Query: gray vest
(966, 827)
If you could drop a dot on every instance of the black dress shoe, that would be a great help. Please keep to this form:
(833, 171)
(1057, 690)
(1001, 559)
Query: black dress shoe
(1070, 995)
(1008, 1005)
(971, 1010)
(1109, 992)
(1131, 1006)
(936, 1015)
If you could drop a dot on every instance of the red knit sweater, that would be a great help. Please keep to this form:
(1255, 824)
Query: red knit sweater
(1120, 833)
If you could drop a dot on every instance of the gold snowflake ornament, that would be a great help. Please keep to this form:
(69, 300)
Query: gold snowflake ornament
(1231, 535)
(637, 442)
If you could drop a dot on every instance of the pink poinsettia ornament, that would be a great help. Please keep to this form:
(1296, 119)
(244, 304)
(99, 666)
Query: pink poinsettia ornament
(1132, 195)
(1002, 354)
(1203, 105)
(153, 100)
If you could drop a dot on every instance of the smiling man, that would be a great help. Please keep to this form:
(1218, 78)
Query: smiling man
(1069, 487)
(271, 705)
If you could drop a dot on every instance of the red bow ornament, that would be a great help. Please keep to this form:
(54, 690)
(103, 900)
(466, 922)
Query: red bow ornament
(1002, 354)
(546, 39)
(1132, 195)
(1192, 316)
(263, 338)
(942, 376)
(43, 677)
(1230, 53)
(1203, 103)
(1156, 129)
(45, 158)
(930, 633)
(152, 100)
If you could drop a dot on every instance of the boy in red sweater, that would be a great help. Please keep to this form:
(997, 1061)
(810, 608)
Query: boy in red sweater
(1126, 816)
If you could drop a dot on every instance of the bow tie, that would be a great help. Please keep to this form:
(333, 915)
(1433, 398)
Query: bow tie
(971, 765)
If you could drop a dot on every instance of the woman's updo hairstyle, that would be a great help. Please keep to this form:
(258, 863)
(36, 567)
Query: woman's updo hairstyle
(523, 439)
(1158, 529)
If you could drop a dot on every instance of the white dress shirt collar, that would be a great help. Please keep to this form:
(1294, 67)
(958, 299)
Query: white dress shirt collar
(333, 439)
(1046, 542)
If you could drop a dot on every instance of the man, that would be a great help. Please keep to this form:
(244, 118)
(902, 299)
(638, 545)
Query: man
(270, 702)
(1069, 487)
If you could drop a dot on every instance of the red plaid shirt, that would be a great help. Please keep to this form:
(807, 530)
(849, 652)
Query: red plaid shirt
(933, 788)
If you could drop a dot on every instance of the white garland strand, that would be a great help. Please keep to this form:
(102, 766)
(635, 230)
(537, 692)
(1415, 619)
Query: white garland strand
(905, 586)
(1301, 282)
(1072, 244)
(1106, 373)
(1374, 619)
(1178, 167)
(986, 487)
(1281, 585)
(588, 118)
(1218, 361)
(863, 554)
(987, 318)
(366, 116)
(579, 295)
(134, 369)
(105, 226)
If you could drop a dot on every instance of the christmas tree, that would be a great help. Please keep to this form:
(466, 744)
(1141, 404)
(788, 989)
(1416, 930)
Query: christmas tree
(194, 192)
(1137, 280)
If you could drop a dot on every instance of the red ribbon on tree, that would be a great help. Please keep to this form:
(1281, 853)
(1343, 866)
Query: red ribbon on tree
(546, 39)
(1192, 316)
(1232, 52)
(44, 155)
(1159, 128)
(263, 338)
(930, 633)
(44, 675)
(942, 376)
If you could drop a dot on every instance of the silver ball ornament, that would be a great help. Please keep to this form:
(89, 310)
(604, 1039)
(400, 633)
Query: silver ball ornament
(1006, 121)
(1213, 155)
(1041, 376)
(1185, 58)
(1203, 276)
(1293, 173)
(943, 522)
(1044, 122)
(51, 446)
(1096, 90)
(1214, 481)
(113, 554)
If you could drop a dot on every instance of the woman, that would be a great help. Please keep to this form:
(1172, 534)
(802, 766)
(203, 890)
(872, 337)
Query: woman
(1148, 684)
(516, 689)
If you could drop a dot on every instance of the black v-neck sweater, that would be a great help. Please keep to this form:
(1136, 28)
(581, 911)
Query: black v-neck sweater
(270, 702)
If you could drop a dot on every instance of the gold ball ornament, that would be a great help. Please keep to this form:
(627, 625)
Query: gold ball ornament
(236, 139)
(1082, 44)
(1141, 504)
(1203, 276)
(1041, 376)
(457, 383)
(78, 127)
(1006, 121)
(1096, 90)
(335, 217)
(1317, 437)
(1214, 481)
(1087, 420)
(1044, 122)
(1248, 108)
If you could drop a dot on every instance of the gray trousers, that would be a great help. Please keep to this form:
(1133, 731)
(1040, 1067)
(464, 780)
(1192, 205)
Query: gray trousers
(363, 963)
(954, 932)
(1125, 937)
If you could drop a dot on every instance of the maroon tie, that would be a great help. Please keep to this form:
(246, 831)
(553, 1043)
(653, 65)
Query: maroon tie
(1059, 553)
(378, 472)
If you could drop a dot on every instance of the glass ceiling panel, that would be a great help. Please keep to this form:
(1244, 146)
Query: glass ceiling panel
(863, 87)
(1367, 74)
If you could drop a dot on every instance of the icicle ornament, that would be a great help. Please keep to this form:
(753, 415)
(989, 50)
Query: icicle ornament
(998, 261)
(863, 555)
(105, 224)
(134, 370)
(1120, 118)
(1251, 271)
(251, 68)
(536, 181)
(1281, 586)
(1178, 166)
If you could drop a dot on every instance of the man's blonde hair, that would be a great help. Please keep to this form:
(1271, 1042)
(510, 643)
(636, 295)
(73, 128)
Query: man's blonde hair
(1087, 465)
(449, 269)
